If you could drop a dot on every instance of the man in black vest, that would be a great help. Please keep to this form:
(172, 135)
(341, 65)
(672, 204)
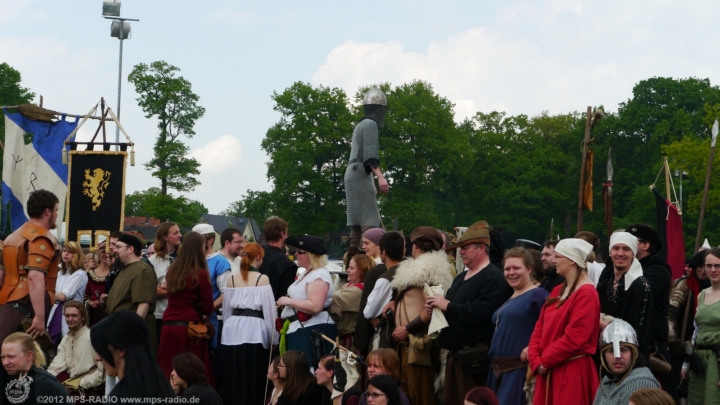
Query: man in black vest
(279, 269)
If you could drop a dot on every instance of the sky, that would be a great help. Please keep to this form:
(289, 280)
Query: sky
(521, 57)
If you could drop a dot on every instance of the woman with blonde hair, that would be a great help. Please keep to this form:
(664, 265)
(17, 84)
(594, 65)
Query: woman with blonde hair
(248, 330)
(167, 241)
(189, 301)
(565, 337)
(22, 374)
(96, 285)
(70, 286)
(308, 300)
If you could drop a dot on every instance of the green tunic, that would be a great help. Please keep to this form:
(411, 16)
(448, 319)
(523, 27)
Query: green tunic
(704, 389)
(134, 285)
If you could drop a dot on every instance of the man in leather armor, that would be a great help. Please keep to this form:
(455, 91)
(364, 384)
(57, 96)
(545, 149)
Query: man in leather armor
(30, 266)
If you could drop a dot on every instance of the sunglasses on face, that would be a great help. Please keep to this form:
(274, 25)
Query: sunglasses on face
(300, 252)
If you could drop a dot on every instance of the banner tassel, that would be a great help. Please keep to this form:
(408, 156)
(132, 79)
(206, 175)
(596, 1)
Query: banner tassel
(132, 155)
(64, 156)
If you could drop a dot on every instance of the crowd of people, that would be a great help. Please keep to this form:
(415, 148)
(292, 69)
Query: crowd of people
(540, 324)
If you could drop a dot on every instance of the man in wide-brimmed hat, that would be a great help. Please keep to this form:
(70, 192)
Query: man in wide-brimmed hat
(468, 306)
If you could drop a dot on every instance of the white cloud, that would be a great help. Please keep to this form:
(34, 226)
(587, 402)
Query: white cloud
(557, 55)
(219, 155)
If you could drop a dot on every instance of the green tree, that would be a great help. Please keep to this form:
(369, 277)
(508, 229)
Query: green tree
(258, 205)
(169, 98)
(11, 93)
(308, 149)
(152, 203)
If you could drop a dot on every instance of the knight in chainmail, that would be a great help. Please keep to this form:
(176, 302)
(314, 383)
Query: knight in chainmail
(360, 192)
(623, 367)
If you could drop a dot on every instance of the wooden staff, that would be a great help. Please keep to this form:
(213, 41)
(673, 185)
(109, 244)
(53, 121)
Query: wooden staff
(707, 185)
(586, 146)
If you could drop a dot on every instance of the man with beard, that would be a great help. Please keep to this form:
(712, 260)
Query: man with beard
(659, 275)
(30, 269)
(626, 293)
(232, 242)
(623, 366)
(552, 279)
(112, 260)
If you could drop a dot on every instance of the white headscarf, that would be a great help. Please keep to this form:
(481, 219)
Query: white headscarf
(576, 250)
(630, 241)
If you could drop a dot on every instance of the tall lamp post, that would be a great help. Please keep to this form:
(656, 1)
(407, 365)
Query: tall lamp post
(120, 29)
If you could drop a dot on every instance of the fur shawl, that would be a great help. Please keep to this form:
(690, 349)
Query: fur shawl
(432, 268)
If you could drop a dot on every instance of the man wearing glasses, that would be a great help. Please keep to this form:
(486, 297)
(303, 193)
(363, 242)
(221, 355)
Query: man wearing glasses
(232, 242)
(134, 287)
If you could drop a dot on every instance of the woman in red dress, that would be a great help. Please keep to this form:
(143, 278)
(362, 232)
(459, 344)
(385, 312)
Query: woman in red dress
(96, 286)
(566, 334)
(189, 300)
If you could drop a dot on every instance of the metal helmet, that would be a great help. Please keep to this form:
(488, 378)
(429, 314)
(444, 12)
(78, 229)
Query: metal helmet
(375, 96)
(616, 332)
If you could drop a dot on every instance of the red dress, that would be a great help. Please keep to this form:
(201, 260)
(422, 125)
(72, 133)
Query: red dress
(187, 305)
(96, 287)
(564, 342)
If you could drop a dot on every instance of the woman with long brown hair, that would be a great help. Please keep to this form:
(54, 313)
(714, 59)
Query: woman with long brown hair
(167, 241)
(300, 387)
(189, 301)
(248, 330)
(70, 285)
(566, 333)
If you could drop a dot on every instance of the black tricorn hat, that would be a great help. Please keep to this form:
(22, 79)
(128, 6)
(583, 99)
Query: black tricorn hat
(308, 243)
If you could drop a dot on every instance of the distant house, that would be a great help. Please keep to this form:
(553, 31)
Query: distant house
(148, 226)
(249, 228)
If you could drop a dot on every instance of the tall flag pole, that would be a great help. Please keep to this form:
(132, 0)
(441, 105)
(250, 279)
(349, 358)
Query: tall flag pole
(707, 185)
(607, 195)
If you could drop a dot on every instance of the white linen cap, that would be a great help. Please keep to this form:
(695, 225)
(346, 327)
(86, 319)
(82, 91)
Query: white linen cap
(625, 238)
(576, 250)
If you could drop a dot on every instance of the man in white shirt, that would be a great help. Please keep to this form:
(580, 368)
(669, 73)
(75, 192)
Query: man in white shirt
(392, 251)
(75, 364)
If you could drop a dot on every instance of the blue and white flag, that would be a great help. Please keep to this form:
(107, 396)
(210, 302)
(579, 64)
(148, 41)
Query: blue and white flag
(32, 161)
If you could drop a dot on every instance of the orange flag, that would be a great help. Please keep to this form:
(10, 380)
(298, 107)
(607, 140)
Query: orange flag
(587, 192)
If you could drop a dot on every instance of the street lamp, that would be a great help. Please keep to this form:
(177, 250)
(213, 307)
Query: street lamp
(120, 29)
(680, 174)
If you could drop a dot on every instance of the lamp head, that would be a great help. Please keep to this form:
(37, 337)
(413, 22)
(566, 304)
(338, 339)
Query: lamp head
(111, 8)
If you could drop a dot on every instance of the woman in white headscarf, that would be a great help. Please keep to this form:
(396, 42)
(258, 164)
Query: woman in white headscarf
(566, 334)
(626, 294)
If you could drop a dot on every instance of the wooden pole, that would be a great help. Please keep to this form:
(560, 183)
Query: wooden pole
(586, 146)
(704, 200)
(609, 211)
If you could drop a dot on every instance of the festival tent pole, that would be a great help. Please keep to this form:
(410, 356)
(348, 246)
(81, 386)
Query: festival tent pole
(707, 185)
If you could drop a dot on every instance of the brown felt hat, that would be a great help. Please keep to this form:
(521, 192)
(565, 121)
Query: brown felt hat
(426, 238)
(479, 232)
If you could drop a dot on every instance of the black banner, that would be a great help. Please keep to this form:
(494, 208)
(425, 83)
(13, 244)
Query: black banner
(96, 194)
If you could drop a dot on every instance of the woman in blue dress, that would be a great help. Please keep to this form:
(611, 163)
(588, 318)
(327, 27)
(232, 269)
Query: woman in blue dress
(514, 323)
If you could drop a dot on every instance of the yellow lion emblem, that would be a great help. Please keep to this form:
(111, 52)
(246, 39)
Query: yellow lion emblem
(96, 185)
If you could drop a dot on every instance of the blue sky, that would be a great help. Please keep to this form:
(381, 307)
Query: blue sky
(516, 56)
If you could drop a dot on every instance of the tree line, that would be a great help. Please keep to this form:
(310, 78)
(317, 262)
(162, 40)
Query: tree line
(515, 171)
(518, 172)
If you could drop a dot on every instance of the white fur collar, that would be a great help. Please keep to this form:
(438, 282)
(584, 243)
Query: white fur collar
(432, 268)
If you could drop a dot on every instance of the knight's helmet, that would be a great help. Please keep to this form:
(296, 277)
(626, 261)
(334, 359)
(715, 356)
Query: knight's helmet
(375, 96)
(375, 105)
(618, 333)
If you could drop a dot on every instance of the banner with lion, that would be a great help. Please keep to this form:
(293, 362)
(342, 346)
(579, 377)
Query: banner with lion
(96, 194)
